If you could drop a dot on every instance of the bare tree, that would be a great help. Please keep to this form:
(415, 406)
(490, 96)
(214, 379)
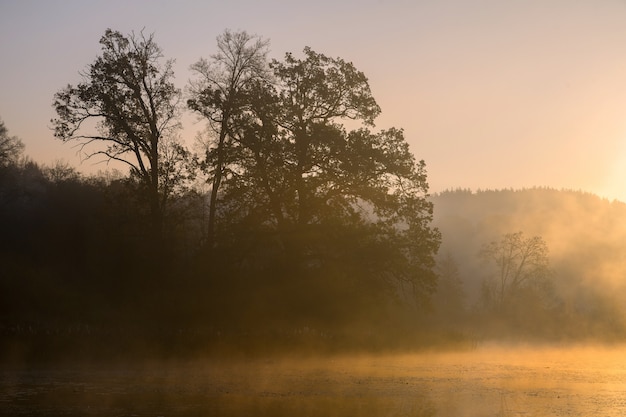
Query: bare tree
(519, 263)
(217, 93)
(61, 171)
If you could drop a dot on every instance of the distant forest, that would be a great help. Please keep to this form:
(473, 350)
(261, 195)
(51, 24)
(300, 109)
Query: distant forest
(281, 230)
(585, 242)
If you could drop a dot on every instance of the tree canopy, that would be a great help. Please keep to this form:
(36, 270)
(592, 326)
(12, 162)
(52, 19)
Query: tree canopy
(131, 98)
(310, 214)
(218, 93)
(309, 192)
(520, 263)
(313, 226)
(11, 147)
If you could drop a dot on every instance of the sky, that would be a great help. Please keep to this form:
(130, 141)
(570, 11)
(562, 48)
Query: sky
(491, 94)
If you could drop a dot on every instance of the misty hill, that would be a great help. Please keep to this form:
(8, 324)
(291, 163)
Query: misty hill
(585, 235)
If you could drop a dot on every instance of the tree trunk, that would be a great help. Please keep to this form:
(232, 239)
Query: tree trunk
(156, 209)
(217, 179)
(301, 191)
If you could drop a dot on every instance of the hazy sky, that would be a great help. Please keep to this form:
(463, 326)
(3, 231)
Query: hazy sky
(491, 94)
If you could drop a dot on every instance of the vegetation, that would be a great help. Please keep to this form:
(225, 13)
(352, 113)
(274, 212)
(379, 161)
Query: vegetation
(309, 236)
(10, 147)
(313, 234)
(575, 242)
(521, 270)
(134, 103)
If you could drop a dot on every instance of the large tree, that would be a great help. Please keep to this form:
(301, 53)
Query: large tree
(218, 94)
(353, 203)
(127, 102)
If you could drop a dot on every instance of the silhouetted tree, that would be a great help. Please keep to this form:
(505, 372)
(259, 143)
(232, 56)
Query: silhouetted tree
(129, 95)
(218, 94)
(298, 186)
(61, 171)
(11, 147)
(314, 93)
(521, 264)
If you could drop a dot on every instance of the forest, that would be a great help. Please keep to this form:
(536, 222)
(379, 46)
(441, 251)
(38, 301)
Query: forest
(291, 224)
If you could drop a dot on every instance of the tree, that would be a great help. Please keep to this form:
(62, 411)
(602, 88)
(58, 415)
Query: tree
(61, 171)
(298, 186)
(11, 147)
(218, 94)
(520, 264)
(450, 297)
(315, 93)
(129, 95)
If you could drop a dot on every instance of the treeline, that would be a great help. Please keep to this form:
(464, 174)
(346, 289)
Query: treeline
(74, 259)
(284, 231)
(79, 276)
(82, 276)
(79, 267)
(286, 228)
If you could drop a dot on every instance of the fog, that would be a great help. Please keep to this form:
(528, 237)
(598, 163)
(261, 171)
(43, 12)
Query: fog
(131, 341)
(583, 233)
(493, 380)
(292, 265)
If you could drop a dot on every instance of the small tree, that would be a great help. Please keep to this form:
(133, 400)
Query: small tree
(61, 171)
(11, 147)
(519, 264)
(129, 95)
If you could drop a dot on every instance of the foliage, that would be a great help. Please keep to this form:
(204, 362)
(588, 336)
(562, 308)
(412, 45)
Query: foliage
(131, 97)
(218, 94)
(520, 264)
(61, 171)
(11, 147)
(303, 188)
(311, 230)
(311, 225)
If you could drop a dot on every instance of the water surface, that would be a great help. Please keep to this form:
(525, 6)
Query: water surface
(491, 381)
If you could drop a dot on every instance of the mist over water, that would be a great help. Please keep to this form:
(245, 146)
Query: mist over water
(492, 380)
(291, 266)
(253, 346)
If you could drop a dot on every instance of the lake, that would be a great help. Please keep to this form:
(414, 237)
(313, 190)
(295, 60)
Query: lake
(488, 381)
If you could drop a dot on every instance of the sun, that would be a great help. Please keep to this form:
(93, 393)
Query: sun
(614, 186)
